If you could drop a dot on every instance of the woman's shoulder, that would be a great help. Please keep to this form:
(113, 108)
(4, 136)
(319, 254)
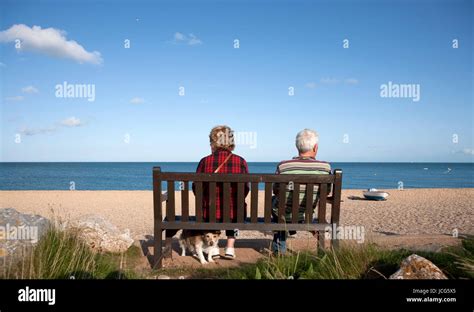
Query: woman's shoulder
(207, 156)
(204, 160)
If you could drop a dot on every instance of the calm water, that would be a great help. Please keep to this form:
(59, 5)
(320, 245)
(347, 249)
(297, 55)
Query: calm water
(137, 176)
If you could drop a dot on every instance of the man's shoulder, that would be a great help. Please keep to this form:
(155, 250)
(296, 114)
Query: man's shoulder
(304, 160)
(304, 164)
(310, 161)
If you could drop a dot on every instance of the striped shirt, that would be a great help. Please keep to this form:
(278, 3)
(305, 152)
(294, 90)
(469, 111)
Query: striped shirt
(298, 165)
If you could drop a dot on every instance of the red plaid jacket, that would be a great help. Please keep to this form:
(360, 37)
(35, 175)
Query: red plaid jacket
(209, 164)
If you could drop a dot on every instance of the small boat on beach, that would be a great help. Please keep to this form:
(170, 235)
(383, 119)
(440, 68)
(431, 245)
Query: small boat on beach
(374, 194)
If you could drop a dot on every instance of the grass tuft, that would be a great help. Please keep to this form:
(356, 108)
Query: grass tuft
(61, 254)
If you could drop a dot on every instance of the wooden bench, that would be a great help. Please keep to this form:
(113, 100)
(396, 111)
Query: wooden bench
(329, 193)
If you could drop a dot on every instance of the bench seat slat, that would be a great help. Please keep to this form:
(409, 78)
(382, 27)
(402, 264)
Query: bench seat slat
(261, 226)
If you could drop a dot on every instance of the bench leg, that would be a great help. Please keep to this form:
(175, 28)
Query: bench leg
(321, 237)
(324, 242)
(335, 243)
(158, 249)
(334, 240)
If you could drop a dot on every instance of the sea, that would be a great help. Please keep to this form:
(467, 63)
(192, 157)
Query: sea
(138, 175)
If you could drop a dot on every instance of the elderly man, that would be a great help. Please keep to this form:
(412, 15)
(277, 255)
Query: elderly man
(305, 163)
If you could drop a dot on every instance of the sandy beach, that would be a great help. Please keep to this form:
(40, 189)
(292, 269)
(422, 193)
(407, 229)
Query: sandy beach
(406, 212)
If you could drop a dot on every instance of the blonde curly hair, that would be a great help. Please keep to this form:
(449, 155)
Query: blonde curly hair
(222, 137)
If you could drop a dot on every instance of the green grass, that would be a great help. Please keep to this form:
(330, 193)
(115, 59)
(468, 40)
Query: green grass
(349, 262)
(63, 255)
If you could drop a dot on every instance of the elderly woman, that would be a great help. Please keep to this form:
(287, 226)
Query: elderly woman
(222, 160)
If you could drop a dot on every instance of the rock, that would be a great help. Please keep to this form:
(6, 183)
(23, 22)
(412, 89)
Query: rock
(100, 234)
(416, 267)
(163, 277)
(19, 232)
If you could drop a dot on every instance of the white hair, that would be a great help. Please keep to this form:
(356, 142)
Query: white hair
(306, 140)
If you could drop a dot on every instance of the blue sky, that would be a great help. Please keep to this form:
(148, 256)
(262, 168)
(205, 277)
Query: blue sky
(138, 114)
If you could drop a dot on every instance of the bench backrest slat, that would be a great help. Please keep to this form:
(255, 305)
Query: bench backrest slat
(198, 201)
(309, 202)
(226, 202)
(240, 202)
(268, 203)
(185, 202)
(254, 202)
(295, 205)
(212, 202)
(323, 193)
(170, 203)
(281, 202)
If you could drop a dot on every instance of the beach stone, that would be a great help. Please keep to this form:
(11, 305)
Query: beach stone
(100, 234)
(19, 232)
(417, 267)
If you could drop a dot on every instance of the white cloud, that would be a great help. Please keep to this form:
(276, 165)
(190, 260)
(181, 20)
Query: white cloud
(193, 40)
(352, 81)
(329, 80)
(71, 122)
(49, 41)
(68, 122)
(30, 131)
(137, 100)
(349, 81)
(190, 39)
(468, 151)
(16, 98)
(179, 36)
(311, 85)
(29, 89)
